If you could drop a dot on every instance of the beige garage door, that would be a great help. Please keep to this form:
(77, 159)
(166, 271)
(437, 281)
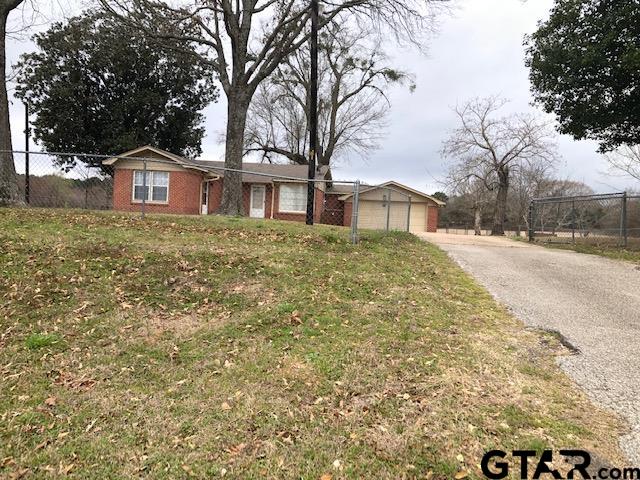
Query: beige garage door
(373, 215)
(418, 217)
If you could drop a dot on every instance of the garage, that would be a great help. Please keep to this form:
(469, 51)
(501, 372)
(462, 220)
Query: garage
(397, 206)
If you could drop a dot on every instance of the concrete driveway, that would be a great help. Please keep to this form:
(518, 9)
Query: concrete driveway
(592, 301)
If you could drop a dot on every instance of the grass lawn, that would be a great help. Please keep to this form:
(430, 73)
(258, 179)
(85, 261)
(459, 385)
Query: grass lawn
(207, 347)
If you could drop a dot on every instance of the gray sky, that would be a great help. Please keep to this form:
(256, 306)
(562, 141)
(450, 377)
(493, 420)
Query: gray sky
(477, 52)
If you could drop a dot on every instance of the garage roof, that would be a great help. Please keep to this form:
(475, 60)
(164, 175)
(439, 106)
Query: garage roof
(395, 186)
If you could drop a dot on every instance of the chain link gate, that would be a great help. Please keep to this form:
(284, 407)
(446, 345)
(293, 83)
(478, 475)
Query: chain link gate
(604, 219)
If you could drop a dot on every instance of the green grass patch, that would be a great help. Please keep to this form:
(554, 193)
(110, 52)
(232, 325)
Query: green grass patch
(37, 341)
(192, 347)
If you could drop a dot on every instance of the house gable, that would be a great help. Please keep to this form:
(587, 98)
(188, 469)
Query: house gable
(156, 159)
(380, 192)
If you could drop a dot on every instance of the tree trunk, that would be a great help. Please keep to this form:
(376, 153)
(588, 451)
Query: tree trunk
(8, 179)
(501, 203)
(477, 220)
(238, 106)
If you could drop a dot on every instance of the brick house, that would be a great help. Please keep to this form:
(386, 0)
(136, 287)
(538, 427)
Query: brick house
(181, 186)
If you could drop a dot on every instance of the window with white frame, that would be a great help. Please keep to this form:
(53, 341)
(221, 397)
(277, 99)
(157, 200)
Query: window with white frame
(293, 198)
(155, 189)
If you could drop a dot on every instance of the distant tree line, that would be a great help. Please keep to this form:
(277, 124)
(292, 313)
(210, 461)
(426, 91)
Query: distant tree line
(473, 208)
(56, 191)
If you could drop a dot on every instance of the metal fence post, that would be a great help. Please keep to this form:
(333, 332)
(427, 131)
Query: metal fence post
(624, 221)
(144, 186)
(531, 220)
(354, 213)
(409, 216)
(27, 135)
(573, 222)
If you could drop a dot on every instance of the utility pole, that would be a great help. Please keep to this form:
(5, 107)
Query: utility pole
(27, 135)
(313, 111)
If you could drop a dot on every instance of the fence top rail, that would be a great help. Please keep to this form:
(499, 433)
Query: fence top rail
(213, 168)
(363, 187)
(583, 198)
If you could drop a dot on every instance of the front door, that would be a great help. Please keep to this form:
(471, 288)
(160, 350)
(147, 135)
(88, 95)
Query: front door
(256, 209)
(205, 199)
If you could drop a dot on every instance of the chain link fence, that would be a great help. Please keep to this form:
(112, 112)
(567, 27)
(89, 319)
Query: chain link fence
(606, 219)
(468, 228)
(155, 182)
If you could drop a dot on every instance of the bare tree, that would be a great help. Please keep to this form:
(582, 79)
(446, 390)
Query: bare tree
(246, 40)
(352, 107)
(528, 182)
(30, 16)
(554, 187)
(470, 193)
(8, 179)
(490, 148)
(625, 160)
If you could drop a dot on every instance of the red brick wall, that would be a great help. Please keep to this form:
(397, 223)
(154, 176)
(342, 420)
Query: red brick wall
(432, 218)
(215, 195)
(184, 193)
(333, 210)
(348, 211)
(246, 198)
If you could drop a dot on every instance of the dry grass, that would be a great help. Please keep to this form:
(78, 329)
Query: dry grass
(197, 348)
(603, 247)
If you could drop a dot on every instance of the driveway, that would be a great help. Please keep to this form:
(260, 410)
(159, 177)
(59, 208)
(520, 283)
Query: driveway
(592, 301)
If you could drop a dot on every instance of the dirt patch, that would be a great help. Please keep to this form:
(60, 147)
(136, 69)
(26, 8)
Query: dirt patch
(153, 324)
(292, 369)
(254, 291)
(482, 240)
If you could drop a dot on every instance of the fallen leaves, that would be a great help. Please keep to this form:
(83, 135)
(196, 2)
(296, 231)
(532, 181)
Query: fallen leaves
(189, 320)
(187, 469)
(68, 380)
(236, 449)
(295, 318)
(65, 469)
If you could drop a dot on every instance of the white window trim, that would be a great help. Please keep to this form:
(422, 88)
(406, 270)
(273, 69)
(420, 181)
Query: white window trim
(297, 212)
(155, 202)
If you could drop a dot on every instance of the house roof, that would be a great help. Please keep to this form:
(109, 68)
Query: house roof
(267, 172)
(340, 189)
(251, 172)
(397, 185)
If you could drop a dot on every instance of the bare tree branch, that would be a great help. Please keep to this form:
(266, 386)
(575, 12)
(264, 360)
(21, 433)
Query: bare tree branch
(493, 148)
(625, 161)
(246, 41)
(353, 104)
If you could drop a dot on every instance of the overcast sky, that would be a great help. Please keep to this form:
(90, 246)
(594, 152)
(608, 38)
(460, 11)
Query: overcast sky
(477, 52)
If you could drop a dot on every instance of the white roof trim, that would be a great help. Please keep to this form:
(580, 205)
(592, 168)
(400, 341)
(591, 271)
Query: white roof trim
(131, 154)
